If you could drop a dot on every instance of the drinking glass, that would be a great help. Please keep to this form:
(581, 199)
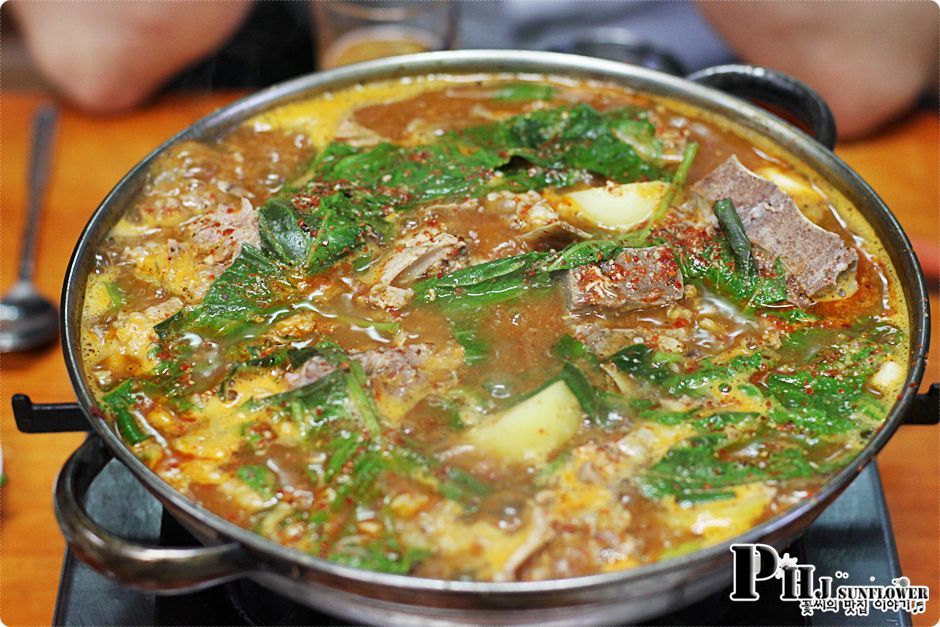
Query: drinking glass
(349, 31)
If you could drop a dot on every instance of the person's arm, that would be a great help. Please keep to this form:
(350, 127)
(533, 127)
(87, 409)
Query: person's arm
(869, 60)
(108, 56)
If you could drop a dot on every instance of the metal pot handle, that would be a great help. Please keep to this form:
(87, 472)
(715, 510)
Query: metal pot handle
(777, 89)
(156, 569)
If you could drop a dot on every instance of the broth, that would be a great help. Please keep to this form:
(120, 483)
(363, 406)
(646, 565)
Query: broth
(492, 328)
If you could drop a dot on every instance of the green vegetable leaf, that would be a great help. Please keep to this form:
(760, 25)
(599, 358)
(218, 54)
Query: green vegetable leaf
(822, 389)
(405, 176)
(720, 420)
(583, 253)
(288, 357)
(282, 237)
(817, 405)
(678, 180)
(468, 334)
(362, 263)
(655, 367)
(340, 225)
(376, 557)
(115, 294)
(513, 92)
(692, 383)
(716, 267)
(577, 137)
(666, 416)
(250, 292)
(794, 315)
(312, 406)
(341, 394)
(570, 349)
(487, 283)
(644, 363)
(504, 279)
(351, 188)
(489, 271)
(703, 468)
(259, 478)
(362, 397)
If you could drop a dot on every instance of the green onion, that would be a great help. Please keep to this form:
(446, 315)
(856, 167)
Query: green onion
(118, 403)
(356, 384)
(461, 486)
(116, 294)
(591, 402)
(343, 449)
(678, 180)
(130, 429)
(731, 224)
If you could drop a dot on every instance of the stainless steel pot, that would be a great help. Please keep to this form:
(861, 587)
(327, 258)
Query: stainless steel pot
(631, 595)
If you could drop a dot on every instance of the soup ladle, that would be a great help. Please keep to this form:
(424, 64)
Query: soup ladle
(27, 319)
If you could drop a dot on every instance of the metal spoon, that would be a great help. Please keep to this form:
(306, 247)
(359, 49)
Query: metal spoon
(28, 320)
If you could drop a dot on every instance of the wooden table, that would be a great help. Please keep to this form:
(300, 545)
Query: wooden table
(93, 153)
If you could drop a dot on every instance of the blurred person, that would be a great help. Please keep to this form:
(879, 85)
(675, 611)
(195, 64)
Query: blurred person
(870, 60)
(109, 56)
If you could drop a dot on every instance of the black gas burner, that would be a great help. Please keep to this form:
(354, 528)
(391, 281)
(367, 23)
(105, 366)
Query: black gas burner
(853, 535)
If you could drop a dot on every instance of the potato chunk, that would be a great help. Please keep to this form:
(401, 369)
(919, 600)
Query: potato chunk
(616, 207)
(529, 431)
(888, 378)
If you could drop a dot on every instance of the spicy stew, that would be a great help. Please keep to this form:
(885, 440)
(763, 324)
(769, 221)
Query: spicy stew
(492, 328)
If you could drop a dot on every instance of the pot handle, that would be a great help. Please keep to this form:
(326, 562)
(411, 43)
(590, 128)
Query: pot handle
(925, 407)
(47, 417)
(779, 90)
(155, 569)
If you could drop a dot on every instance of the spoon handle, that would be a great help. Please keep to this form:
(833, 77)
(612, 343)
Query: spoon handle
(44, 126)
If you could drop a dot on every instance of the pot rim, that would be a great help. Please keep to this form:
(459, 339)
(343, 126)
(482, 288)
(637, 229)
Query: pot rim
(794, 141)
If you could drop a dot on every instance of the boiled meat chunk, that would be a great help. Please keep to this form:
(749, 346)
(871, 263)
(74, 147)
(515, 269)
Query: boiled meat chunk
(220, 233)
(637, 278)
(312, 370)
(427, 252)
(400, 376)
(813, 257)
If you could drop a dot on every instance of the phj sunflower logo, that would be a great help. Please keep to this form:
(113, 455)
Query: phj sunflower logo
(800, 584)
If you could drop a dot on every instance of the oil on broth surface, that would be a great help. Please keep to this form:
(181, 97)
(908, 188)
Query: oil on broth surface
(492, 328)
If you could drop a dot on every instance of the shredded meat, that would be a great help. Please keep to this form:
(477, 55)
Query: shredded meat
(428, 251)
(814, 258)
(554, 236)
(540, 532)
(161, 311)
(313, 369)
(220, 233)
(526, 211)
(605, 341)
(395, 368)
(355, 134)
